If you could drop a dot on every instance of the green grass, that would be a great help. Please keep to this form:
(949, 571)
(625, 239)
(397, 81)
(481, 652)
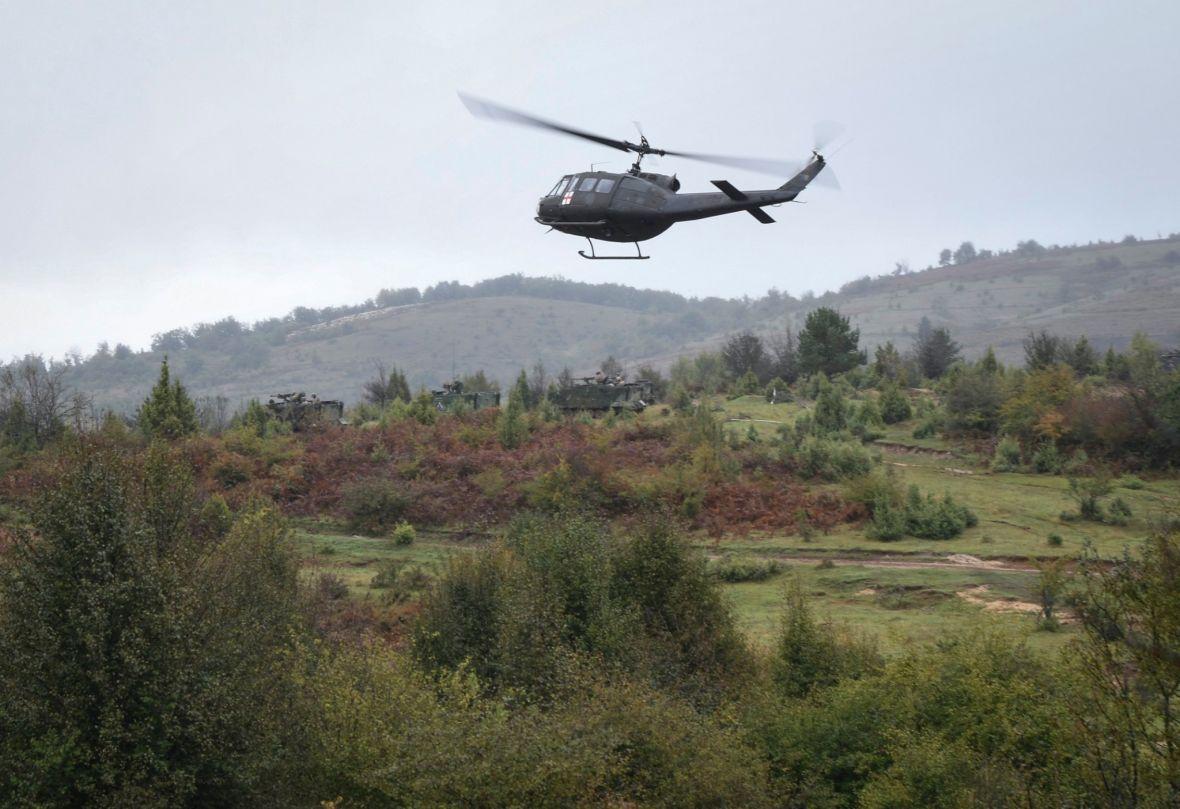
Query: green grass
(906, 608)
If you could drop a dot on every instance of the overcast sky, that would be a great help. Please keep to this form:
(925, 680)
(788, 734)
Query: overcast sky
(162, 164)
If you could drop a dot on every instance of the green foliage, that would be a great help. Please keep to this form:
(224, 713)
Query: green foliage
(973, 399)
(167, 412)
(373, 506)
(895, 406)
(734, 569)
(1007, 457)
(810, 655)
(510, 425)
(1047, 460)
(833, 458)
(831, 411)
(523, 612)
(140, 667)
(404, 534)
(936, 352)
(930, 518)
(887, 363)
(422, 409)
(747, 385)
(777, 391)
(828, 344)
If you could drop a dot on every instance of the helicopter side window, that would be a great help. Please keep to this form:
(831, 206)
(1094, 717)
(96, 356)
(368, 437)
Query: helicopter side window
(587, 184)
(605, 185)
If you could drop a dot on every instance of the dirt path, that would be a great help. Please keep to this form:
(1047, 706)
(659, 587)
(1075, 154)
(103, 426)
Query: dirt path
(956, 561)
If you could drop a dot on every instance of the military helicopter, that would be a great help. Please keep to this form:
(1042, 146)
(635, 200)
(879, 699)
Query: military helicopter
(640, 205)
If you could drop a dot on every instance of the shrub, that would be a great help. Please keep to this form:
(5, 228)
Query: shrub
(331, 587)
(373, 505)
(889, 520)
(1055, 540)
(833, 458)
(1131, 482)
(404, 534)
(895, 406)
(1007, 455)
(734, 569)
(777, 391)
(1047, 459)
(928, 428)
(928, 518)
(1119, 512)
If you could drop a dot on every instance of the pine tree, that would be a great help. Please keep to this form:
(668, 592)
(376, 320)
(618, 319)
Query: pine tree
(511, 426)
(828, 344)
(167, 412)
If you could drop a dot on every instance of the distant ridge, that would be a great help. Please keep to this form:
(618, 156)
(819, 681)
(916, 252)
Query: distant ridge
(1106, 291)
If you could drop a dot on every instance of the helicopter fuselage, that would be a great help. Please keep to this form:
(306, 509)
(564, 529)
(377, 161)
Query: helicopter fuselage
(637, 206)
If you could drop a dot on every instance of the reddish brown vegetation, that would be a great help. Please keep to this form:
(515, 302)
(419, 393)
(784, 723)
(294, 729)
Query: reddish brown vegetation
(456, 473)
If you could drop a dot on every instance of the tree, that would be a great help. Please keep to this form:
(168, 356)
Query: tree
(944, 257)
(894, 405)
(936, 353)
(786, 356)
(744, 353)
(538, 384)
(1082, 357)
(828, 344)
(989, 363)
(478, 382)
(887, 361)
(1130, 674)
(965, 254)
(973, 399)
(522, 389)
(167, 412)
(386, 386)
(831, 411)
(34, 402)
(144, 660)
(510, 426)
(1041, 350)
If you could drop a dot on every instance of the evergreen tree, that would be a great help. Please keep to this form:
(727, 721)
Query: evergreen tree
(936, 353)
(167, 412)
(511, 427)
(831, 411)
(887, 361)
(1041, 350)
(744, 354)
(523, 390)
(1082, 357)
(828, 344)
(894, 405)
(989, 363)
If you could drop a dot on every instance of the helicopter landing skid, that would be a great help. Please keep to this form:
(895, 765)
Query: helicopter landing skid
(595, 257)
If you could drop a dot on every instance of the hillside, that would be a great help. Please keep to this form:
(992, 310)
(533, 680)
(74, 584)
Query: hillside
(1107, 292)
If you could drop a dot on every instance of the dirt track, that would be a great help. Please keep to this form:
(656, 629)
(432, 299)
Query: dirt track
(956, 561)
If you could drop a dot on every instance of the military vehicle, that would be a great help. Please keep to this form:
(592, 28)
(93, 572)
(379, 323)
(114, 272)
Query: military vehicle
(303, 412)
(452, 394)
(600, 393)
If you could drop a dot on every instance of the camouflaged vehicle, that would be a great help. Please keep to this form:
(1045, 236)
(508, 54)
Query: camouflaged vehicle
(452, 394)
(601, 394)
(302, 411)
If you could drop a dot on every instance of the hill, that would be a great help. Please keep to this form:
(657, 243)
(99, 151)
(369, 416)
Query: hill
(1106, 291)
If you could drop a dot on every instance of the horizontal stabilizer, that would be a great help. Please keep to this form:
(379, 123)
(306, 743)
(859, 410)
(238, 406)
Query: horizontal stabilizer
(761, 215)
(727, 188)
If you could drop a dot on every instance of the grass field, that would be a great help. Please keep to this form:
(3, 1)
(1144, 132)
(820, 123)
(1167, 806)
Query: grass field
(906, 592)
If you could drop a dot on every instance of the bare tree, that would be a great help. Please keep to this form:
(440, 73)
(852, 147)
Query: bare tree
(34, 401)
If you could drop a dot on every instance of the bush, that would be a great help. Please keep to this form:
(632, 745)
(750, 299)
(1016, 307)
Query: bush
(404, 534)
(1131, 482)
(928, 518)
(1047, 459)
(895, 406)
(733, 569)
(1007, 455)
(1119, 512)
(833, 458)
(1055, 540)
(928, 428)
(889, 521)
(373, 505)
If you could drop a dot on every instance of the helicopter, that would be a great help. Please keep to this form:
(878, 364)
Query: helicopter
(639, 205)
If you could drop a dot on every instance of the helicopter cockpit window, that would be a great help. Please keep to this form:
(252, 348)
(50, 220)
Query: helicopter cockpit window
(559, 188)
(587, 184)
(605, 185)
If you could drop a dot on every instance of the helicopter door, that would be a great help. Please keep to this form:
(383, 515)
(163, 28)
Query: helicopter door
(578, 199)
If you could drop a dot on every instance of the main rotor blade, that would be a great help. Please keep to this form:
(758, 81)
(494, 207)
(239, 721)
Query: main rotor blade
(759, 164)
(494, 112)
(825, 134)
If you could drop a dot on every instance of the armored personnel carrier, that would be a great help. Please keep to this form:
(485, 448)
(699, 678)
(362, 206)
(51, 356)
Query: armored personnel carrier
(452, 394)
(601, 394)
(302, 411)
